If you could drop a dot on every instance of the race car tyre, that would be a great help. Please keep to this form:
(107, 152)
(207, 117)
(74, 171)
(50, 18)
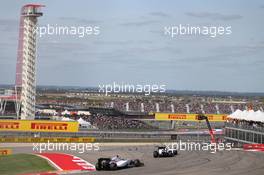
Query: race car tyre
(155, 154)
(137, 163)
(97, 166)
(175, 152)
(171, 154)
(113, 166)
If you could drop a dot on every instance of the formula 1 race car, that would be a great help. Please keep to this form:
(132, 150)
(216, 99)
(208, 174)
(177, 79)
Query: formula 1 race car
(163, 151)
(116, 163)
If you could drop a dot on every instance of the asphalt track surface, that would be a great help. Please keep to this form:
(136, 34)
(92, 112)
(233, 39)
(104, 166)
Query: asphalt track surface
(186, 163)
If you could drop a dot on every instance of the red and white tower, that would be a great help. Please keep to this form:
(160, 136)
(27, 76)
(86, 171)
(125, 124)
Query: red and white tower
(26, 60)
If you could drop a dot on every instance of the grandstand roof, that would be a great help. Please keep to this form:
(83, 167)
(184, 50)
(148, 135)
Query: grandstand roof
(249, 115)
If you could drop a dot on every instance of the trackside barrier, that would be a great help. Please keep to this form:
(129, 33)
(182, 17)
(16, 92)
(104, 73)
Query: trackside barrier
(47, 139)
(39, 126)
(190, 117)
(256, 147)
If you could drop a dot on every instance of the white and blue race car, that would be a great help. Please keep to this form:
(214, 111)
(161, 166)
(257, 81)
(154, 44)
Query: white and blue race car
(116, 163)
(163, 151)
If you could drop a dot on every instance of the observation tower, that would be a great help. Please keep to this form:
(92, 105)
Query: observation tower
(25, 85)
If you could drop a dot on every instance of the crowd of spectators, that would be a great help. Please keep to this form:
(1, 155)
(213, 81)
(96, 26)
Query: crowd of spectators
(170, 104)
(210, 108)
(179, 106)
(106, 122)
(248, 125)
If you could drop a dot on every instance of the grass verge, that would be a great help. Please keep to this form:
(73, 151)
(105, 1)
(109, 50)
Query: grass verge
(23, 163)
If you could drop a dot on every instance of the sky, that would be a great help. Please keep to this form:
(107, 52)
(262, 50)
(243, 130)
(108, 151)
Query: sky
(133, 49)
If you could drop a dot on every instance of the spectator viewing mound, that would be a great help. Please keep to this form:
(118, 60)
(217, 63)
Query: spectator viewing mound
(117, 122)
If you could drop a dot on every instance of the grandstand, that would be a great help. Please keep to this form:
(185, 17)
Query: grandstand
(136, 109)
(245, 127)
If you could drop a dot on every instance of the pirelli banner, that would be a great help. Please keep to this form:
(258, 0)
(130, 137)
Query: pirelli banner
(38, 126)
(47, 139)
(189, 117)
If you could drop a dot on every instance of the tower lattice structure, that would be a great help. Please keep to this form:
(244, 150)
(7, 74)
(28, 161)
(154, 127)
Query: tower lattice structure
(26, 59)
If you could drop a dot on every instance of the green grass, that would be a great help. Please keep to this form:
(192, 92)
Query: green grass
(23, 163)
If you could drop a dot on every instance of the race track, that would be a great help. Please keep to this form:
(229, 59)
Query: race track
(186, 163)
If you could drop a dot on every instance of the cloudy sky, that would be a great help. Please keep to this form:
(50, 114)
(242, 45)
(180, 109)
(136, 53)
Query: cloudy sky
(132, 48)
